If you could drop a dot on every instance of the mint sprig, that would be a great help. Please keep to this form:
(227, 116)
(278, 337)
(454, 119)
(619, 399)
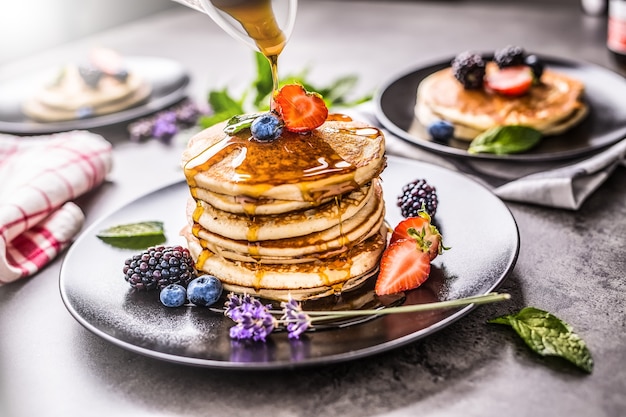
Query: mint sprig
(548, 335)
(256, 98)
(240, 122)
(502, 140)
(139, 235)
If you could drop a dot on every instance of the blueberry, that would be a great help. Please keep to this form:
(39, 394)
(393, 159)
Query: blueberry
(441, 130)
(536, 65)
(173, 295)
(266, 128)
(204, 290)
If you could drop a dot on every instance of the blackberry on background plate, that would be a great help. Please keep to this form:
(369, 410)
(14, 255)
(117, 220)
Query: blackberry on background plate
(469, 69)
(159, 266)
(509, 56)
(416, 194)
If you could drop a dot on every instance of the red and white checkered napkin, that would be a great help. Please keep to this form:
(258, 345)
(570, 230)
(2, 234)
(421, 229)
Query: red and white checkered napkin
(39, 176)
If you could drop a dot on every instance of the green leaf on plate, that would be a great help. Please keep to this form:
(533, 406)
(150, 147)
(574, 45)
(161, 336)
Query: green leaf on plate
(134, 235)
(548, 335)
(240, 122)
(503, 140)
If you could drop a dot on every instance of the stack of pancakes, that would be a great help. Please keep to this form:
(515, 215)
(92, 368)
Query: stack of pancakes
(301, 216)
(551, 107)
(71, 97)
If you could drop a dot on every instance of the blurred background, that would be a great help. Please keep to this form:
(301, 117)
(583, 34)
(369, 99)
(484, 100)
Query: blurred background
(31, 26)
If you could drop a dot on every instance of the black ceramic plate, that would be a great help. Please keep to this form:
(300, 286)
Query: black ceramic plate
(167, 78)
(484, 250)
(604, 125)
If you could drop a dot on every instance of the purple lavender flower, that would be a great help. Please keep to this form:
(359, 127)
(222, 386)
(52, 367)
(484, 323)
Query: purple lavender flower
(187, 113)
(253, 319)
(140, 130)
(233, 304)
(297, 321)
(165, 127)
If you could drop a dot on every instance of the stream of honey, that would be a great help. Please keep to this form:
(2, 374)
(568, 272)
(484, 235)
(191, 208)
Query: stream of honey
(258, 20)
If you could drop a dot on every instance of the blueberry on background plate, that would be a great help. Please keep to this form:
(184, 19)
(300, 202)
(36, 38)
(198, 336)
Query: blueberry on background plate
(204, 290)
(536, 65)
(173, 295)
(441, 130)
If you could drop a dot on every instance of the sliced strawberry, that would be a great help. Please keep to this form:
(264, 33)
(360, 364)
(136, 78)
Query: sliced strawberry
(420, 229)
(510, 81)
(301, 110)
(402, 267)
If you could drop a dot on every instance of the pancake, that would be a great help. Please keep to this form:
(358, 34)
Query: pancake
(301, 216)
(300, 281)
(250, 205)
(287, 225)
(349, 154)
(551, 107)
(298, 248)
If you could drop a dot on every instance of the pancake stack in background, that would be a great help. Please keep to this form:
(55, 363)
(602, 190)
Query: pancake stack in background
(102, 86)
(301, 216)
(551, 107)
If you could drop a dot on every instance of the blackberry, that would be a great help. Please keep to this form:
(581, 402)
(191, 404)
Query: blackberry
(469, 69)
(91, 76)
(416, 194)
(509, 56)
(159, 266)
(121, 75)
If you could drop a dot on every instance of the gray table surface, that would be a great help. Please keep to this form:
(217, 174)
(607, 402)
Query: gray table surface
(570, 263)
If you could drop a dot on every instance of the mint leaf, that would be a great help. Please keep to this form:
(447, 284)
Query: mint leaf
(213, 119)
(134, 235)
(335, 93)
(548, 335)
(502, 140)
(224, 106)
(240, 122)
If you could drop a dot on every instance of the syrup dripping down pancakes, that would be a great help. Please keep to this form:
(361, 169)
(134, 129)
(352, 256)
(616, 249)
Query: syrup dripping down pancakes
(302, 216)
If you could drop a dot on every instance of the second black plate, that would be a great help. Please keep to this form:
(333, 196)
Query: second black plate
(604, 125)
(168, 80)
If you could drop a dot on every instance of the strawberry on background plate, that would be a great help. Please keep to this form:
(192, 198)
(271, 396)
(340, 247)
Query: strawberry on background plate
(301, 111)
(510, 81)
